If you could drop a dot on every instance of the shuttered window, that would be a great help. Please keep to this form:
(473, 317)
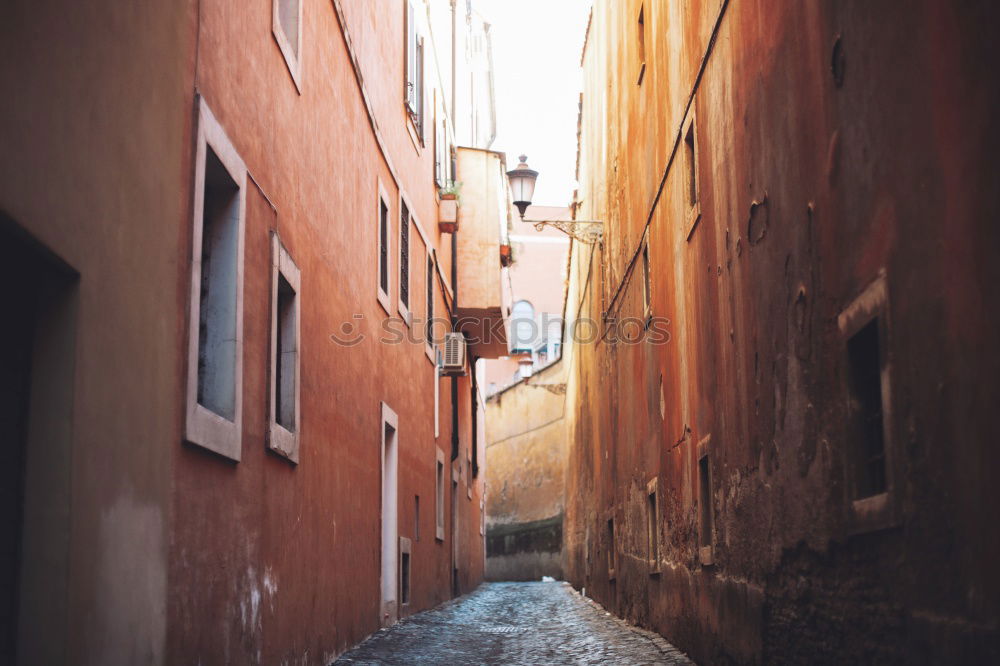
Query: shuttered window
(404, 256)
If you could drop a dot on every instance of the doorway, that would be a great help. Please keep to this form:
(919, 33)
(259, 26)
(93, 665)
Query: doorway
(390, 524)
(37, 341)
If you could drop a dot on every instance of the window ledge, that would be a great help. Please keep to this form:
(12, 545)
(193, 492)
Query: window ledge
(872, 514)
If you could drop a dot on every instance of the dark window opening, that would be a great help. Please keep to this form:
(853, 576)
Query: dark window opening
(646, 290)
(866, 414)
(217, 315)
(429, 332)
(692, 175)
(404, 578)
(416, 517)
(287, 349)
(383, 247)
(651, 528)
(611, 546)
(705, 500)
(404, 256)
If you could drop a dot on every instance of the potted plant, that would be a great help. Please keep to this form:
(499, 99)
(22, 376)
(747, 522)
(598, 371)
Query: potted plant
(506, 255)
(448, 207)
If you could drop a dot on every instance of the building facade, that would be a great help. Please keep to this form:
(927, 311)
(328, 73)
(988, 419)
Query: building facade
(781, 440)
(234, 440)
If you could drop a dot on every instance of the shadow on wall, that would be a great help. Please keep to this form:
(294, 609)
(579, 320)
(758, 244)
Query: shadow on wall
(525, 551)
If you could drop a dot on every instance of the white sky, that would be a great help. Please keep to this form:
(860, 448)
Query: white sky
(536, 58)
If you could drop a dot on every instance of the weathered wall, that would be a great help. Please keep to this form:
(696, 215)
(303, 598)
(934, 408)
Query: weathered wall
(280, 563)
(526, 456)
(95, 166)
(879, 165)
(173, 554)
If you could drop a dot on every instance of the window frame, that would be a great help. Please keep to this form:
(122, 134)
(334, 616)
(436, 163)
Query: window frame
(653, 525)
(383, 296)
(405, 591)
(282, 441)
(204, 427)
(404, 308)
(413, 76)
(879, 511)
(692, 180)
(430, 275)
(706, 512)
(647, 284)
(641, 42)
(291, 55)
(440, 476)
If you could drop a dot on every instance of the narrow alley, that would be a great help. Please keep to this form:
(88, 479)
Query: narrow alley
(499, 332)
(515, 623)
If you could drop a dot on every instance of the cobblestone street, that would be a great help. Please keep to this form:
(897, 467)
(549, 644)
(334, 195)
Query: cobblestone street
(515, 623)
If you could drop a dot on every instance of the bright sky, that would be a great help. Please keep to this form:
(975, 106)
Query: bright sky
(536, 58)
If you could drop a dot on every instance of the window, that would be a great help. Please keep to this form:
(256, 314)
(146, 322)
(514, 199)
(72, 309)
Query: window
(384, 254)
(691, 189)
(641, 40)
(865, 387)
(611, 548)
(705, 516)
(285, 329)
(404, 258)
(864, 325)
(405, 549)
(429, 325)
(286, 25)
(414, 92)
(524, 327)
(646, 287)
(214, 410)
(416, 517)
(439, 496)
(652, 526)
(441, 153)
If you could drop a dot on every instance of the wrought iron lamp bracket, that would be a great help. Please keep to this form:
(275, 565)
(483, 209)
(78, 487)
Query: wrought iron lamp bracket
(584, 231)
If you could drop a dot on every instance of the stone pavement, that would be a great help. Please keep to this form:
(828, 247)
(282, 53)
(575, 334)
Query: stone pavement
(515, 623)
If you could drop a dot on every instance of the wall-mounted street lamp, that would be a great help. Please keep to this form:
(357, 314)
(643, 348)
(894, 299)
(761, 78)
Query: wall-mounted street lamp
(522, 186)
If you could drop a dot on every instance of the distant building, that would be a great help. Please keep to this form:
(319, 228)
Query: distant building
(230, 437)
(538, 285)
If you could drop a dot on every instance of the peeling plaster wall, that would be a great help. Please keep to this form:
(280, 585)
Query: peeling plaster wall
(872, 160)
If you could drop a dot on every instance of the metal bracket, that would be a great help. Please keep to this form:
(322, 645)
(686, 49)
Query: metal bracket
(584, 231)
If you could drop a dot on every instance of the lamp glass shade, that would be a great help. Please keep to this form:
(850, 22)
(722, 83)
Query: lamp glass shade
(522, 184)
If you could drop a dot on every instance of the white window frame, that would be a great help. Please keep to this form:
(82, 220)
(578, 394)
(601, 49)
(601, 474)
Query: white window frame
(282, 441)
(414, 102)
(204, 427)
(383, 295)
(440, 481)
(292, 56)
(430, 308)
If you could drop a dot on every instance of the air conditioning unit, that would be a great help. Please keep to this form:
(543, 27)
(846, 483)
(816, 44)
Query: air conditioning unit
(453, 359)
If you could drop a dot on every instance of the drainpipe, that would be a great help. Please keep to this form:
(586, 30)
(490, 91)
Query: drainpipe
(454, 380)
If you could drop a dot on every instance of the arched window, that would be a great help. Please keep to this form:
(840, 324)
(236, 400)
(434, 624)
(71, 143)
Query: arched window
(523, 327)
